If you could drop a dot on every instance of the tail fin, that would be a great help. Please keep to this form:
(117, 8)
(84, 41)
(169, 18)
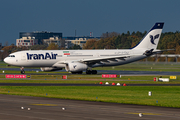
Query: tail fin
(150, 41)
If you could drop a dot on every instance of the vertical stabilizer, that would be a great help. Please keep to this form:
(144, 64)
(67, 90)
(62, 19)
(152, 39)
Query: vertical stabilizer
(150, 41)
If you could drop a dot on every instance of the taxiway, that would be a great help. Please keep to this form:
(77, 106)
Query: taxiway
(31, 108)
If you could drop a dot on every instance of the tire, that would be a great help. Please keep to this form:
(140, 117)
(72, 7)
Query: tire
(80, 72)
(88, 72)
(91, 72)
(94, 71)
(22, 72)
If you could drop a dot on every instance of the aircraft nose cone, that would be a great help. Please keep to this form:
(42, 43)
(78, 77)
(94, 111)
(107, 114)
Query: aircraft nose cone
(6, 60)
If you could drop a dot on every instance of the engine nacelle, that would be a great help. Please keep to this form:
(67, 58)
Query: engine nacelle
(75, 67)
(46, 69)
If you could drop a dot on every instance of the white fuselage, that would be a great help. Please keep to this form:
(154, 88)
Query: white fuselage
(47, 58)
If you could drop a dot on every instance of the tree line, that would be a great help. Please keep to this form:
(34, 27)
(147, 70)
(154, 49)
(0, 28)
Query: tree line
(168, 40)
(112, 40)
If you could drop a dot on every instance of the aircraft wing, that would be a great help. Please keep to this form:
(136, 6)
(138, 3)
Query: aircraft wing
(94, 60)
(99, 59)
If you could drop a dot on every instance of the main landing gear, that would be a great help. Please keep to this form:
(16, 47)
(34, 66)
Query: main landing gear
(91, 71)
(80, 72)
(22, 70)
(87, 72)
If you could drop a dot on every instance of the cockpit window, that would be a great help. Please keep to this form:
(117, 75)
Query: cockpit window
(11, 56)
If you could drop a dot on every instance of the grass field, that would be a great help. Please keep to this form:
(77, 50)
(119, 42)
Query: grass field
(167, 96)
(93, 79)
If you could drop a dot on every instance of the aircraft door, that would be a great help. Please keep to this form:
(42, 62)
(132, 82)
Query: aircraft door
(96, 55)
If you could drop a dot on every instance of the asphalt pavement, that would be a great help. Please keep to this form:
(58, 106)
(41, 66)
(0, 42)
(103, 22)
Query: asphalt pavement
(37, 108)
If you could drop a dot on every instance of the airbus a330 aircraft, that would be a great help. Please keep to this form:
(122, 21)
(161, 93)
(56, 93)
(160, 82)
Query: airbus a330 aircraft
(77, 61)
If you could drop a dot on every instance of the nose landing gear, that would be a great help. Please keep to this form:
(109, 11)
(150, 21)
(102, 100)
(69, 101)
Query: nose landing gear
(22, 70)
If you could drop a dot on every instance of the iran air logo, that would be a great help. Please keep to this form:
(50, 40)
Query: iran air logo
(154, 38)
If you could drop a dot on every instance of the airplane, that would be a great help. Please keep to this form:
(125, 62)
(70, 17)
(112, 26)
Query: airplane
(77, 61)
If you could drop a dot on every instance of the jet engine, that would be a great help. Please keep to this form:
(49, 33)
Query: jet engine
(75, 67)
(46, 69)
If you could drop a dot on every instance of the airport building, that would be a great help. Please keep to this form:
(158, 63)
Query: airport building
(71, 41)
(59, 41)
(34, 38)
(40, 35)
(26, 41)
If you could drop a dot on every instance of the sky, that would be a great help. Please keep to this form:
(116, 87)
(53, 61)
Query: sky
(85, 16)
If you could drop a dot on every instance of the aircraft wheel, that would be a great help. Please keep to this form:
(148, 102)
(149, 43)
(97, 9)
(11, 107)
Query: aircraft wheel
(80, 72)
(22, 72)
(73, 72)
(88, 72)
(94, 71)
(91, 72)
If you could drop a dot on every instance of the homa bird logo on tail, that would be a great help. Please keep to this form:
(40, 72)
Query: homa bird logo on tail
(154, 38)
